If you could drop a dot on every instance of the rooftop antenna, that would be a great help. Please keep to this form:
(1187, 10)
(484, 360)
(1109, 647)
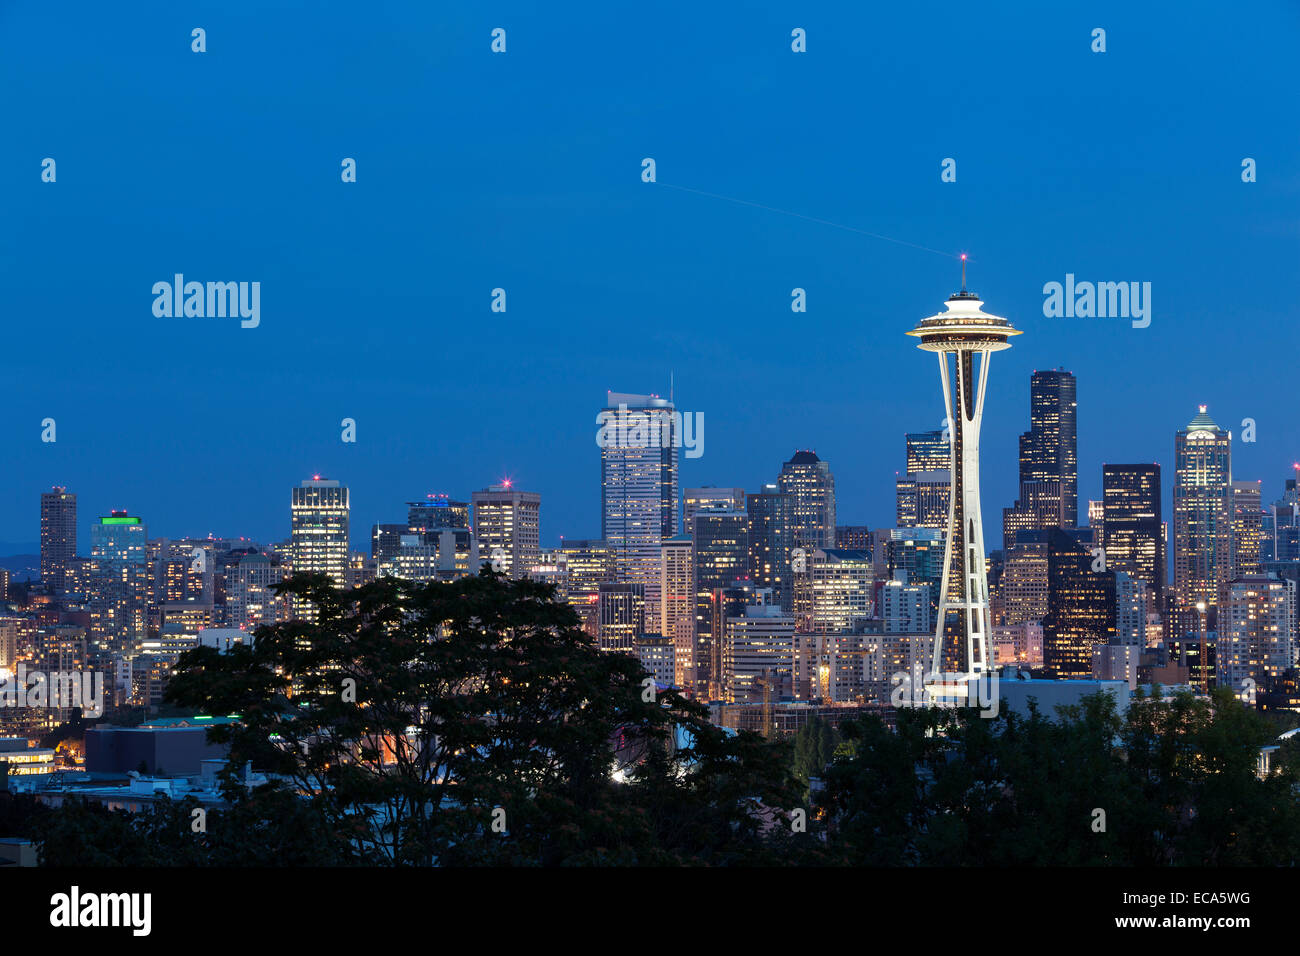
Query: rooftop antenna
(670, 388)
(963, 272)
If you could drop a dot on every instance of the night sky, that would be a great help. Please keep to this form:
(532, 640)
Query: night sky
(523, 171)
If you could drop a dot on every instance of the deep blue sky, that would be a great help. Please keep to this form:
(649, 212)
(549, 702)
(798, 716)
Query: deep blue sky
(523, 171)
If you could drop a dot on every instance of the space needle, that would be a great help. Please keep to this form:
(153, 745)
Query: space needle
(960, 335)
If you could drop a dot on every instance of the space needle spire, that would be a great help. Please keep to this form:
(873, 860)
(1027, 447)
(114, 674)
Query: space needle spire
(963, 336)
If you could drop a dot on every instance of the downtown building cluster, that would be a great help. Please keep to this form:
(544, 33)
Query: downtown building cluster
(758, 602)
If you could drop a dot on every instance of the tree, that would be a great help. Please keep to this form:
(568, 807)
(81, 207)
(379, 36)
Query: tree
(476, 722)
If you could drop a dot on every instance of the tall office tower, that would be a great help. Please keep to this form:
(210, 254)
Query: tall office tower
(1133, 525)
(318, 531)
(58, 536)
(904, 608)
(1247, 529)
(922, 500)
(808, 480)
(758, 657)
(721, 559)
(841, 585)
(639, 457)
(928, 451)
(4, 584)
(1202, 516)
(853, 537)
(436, 513)
(507, 525)
(1134, 604)
(710, 499)
(622, 616)
(1256, 638)
(958, 336)
(771, 543)
(1080, 607)
(1049, 451)
(1024, 579)
(677, 597)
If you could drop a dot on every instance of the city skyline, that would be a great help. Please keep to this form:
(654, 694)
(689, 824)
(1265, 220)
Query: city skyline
(884, 511)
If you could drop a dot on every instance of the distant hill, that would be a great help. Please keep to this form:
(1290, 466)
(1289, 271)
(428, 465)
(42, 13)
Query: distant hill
(22, 566)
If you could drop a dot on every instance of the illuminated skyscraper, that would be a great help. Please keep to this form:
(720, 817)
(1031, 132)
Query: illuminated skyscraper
(1247, 528)
(808, 480)
(1132, 524)
(639, 457)
(119, 549)
(961, 335)
(58, 536)
(319, 512)
(507, 525)
(677, 597)
(1202, 515)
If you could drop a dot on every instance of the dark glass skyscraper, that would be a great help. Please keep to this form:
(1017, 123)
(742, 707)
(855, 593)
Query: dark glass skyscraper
(721, 560)
(771, 539)
(1080, 607)
(1133, 534)
(1049, 451)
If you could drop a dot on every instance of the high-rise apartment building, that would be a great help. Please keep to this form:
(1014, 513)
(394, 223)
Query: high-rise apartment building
(58, 536)
(1256, 638)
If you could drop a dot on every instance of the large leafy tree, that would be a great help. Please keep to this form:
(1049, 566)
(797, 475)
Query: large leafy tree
(476, 722)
